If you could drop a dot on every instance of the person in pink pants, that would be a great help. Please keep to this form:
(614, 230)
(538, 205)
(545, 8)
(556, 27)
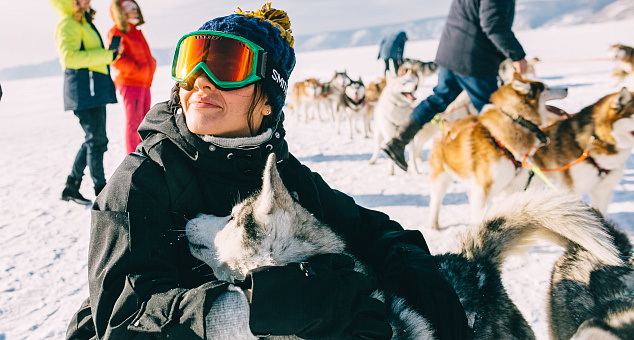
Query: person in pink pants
(134, 69)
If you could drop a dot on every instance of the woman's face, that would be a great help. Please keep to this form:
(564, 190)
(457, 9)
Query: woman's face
(210, 111)
(130, 11)
(83, 4)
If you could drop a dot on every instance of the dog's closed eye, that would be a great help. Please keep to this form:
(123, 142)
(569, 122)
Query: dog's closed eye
(198, 246)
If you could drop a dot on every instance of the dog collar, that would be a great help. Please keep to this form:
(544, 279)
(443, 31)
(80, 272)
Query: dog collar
(532, 127)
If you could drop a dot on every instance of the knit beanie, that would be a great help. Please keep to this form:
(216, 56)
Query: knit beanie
(270, 29)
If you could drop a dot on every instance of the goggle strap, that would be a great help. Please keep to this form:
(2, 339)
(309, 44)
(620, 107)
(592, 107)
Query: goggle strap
(274, 76)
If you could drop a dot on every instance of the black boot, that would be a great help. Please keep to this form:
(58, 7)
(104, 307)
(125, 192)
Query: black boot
(71, 191)
(98, 188)
(395, 148)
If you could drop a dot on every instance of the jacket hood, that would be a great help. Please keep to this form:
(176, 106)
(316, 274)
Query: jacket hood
(165, 121)
(63, 7)
(117, 15)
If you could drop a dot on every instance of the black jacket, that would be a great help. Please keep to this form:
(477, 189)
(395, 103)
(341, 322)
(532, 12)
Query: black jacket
(477, 37)
(86, 89)
(143, 281)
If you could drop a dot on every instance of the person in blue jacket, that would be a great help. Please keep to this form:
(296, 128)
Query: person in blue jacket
(476, 39)
(391, 48)
(87, 89)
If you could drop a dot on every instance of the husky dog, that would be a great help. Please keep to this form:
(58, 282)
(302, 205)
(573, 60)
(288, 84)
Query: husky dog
(372, 93)
(392, 110)
(332, 90)
(601, 137)
(591, 297)
(484, 151)
(305, 99)
(422, 69)
(624, 56)
(287, 233)
(352, 105)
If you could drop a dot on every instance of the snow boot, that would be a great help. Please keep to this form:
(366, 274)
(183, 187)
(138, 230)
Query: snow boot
(98, 188)
(395, 148)
(71, 191)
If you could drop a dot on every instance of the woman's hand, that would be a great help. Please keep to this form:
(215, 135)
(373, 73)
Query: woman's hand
(321, 298)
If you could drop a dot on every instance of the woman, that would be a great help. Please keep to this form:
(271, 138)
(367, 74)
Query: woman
(203, 151)
(134, 69)
(87, 89)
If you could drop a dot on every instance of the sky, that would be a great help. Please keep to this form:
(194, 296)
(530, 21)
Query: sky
(44, 241)
(168, 20)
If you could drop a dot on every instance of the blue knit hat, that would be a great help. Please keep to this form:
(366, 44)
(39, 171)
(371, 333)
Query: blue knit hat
(270, 29)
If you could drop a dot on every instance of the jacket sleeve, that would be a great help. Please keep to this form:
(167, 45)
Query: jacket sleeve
(496, 20)
(133, 268)
(400, 259)
(125, 63)
(69, 43)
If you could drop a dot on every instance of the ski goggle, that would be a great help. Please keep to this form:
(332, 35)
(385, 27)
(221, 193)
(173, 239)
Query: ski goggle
(230, 61)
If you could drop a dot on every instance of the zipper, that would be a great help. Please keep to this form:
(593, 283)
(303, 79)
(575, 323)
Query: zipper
(92, 84)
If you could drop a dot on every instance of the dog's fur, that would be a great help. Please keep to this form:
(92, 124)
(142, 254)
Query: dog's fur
(332, 90)
(624, 56)
(606, 128)
(352, 105)
(392, 111)
(271, 228)
(588, 295)
(304, 99)
(372, 93)
(422, 69)
(507, 70)
(483, 151)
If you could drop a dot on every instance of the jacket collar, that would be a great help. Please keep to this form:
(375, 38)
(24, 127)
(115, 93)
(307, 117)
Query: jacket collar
(215, 158)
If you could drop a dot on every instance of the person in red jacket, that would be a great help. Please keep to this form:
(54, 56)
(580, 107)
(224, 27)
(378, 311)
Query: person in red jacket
(134, 70)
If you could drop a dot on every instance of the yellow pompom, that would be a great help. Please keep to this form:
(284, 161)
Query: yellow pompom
(277, 17)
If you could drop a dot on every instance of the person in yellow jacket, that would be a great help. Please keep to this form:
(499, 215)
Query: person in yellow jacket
(88, 87)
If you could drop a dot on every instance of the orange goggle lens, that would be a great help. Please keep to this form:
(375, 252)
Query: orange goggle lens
(229, 60)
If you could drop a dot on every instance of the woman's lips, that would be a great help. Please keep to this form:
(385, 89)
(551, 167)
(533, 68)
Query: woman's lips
(204, 102)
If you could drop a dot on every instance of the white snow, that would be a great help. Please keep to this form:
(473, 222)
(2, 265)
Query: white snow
(44, 241)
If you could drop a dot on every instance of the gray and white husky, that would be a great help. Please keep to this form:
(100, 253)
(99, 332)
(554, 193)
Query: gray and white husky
(272, 228)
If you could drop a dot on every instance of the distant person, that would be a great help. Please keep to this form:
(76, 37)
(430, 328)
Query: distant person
(477, 37)
(87, 89)
(134, 69)
(391, 48)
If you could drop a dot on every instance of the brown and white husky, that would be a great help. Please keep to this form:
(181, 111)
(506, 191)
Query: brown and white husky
(587, 153)
(484, 152)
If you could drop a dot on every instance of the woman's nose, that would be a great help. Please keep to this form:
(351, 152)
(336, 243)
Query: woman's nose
(203, 82)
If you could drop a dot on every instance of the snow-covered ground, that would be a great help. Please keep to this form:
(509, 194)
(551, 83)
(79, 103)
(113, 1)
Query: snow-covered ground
(43, 240)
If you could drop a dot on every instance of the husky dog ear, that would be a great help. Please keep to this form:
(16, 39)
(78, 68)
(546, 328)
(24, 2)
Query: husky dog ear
(521, 86)
(389, 77)
(623, 98)
(273, 193)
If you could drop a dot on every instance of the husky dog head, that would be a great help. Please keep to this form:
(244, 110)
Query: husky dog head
(421, 68)
(268, 228)
(355, 91)
(400, 89)
(614, 119)
(621, 52)
(339, 81)
(312, 88)
(527, 98)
